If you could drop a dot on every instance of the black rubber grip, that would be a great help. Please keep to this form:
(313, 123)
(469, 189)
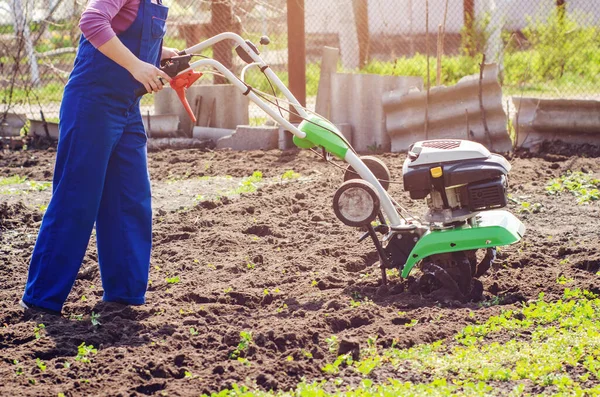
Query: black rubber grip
(140, 91)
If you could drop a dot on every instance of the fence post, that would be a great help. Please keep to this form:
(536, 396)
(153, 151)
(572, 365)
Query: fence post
(469, 17)
(222, 21)
(361, 18)
(296, 52)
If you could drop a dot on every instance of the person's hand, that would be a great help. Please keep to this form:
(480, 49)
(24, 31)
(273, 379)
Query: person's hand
(149, 75)
(168, 52)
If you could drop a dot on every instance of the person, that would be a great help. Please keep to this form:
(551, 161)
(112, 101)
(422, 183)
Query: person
(100, 174)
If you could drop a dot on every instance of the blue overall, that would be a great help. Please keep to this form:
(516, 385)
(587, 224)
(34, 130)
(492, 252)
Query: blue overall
(100, 176)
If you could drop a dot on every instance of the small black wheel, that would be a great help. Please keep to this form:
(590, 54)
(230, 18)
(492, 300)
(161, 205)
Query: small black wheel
(377, 167)
(356, 203)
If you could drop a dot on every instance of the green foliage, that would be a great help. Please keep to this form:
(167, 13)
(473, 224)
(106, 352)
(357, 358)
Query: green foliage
(12, 180)
(94, 319)
(474, 35)
(583, 186)
(173, 280)
(40, 364)
(289, 175)
(247, 185)
(84, 351)
(540, 341)
(243, 345)
(564, 42)
(37, 330)
(332, 343)
(563, 53)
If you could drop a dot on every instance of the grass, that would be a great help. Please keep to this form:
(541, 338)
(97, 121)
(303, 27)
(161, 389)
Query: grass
(545, 346)
(15, 185)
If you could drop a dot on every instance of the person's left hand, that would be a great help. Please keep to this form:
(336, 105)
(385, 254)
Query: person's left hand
(168, 52)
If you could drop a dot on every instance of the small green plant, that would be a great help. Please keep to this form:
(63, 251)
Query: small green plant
(37, 330)
(40, 364)
(583, 186)
(354, 303)
(243, 345)
(19, 369)
(289, 175)
(314, 283)
(250, 266)
(530, 208)
(94, 319)
(193, 331)
(12, 180)
(495, 301)
(412, 323)
(562, 280)
(84, 351)
(188, 374)
(332, 344)
(173, 280)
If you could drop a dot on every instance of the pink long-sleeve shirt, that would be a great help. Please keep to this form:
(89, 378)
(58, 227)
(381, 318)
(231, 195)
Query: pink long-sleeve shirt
(104, 19)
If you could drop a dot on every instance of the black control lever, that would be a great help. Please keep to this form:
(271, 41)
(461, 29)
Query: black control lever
(172, 67)
(383, 229)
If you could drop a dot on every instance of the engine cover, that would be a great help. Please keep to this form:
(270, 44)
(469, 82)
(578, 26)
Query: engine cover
(460, 177)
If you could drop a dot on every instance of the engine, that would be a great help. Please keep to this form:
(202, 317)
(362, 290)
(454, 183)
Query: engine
(458, 179)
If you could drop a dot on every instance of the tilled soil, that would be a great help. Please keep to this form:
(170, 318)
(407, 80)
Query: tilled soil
(276, 263)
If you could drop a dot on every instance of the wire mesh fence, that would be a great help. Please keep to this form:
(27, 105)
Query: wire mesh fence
(546, 48)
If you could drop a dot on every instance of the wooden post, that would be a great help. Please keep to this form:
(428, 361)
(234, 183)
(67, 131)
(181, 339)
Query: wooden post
(469, 16)
(361, 18)
(329, 64)
(561, 5)
(296, 53)
(222, 21)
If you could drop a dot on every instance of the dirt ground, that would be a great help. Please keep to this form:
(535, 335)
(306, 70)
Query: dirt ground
(276, 263)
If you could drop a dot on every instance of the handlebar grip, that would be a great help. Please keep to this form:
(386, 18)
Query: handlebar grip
(140, 91)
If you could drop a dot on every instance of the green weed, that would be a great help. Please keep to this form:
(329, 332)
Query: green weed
(173, 280)
(583, 186)
(94, 319)
(40, 364)
(289, 175)
(243, 345)
(37, 330)
(13, 180)
(83, 352)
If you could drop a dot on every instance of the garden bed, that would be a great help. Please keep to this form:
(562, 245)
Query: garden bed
(255, 282)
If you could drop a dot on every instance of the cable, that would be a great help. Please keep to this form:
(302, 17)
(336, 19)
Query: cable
(275, 103)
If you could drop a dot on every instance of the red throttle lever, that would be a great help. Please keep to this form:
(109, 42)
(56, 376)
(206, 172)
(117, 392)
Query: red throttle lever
(180, 84)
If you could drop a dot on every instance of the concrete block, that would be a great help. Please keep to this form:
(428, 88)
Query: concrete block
(36, 127)
(161, 125)
(11, 124)
(572, 121)
(213, 134)
(357, 99)
(222, 106)
(251, 138)
(346, 130)
(453, 113)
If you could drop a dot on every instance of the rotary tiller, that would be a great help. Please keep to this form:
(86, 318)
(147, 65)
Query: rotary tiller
(464, 186)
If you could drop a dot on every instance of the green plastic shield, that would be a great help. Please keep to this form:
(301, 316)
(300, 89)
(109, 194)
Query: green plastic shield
(319, 133)
(493, 229)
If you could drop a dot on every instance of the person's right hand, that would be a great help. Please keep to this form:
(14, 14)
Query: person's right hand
(148, 75)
